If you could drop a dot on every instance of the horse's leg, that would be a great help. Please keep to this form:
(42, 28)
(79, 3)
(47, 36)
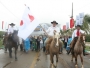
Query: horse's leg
(72, 58)
(21, 47)
(16, 52)
(10, 52)
(76, 61)
(57, 59)
(51, 58)
(81, 60)
(5, 49)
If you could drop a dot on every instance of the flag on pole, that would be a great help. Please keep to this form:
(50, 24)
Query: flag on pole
(71, 23)
(67, 25)
(77, 20)
(27, 24)
(81, 17)
(2, 24)
(64, 27)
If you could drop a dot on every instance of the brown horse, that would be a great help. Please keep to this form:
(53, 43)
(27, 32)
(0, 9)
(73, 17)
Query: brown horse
(54, 48)
(78, 49)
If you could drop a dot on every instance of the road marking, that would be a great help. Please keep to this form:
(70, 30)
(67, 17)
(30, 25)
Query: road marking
(35, 60)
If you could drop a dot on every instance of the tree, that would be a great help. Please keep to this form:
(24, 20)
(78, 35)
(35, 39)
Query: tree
(86, 24)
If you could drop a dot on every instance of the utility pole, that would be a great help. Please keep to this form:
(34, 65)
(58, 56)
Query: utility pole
(72, 14)
(72, 10)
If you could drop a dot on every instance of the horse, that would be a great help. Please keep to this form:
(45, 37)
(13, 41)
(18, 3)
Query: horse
(78, 49)
(54, 48)
(10, 43)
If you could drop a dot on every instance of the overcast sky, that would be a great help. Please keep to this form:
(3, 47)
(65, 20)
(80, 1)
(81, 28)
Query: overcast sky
(44, 10)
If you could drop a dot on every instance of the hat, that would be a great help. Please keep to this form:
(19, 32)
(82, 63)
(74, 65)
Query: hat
(78, 26)
(54, 22)
(12, 24)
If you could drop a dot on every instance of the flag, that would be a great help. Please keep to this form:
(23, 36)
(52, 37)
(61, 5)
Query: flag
(67, 25)
(2, 24)
(71, 23)
(81, 17)
(77, 20)
(64, 27)
(27, 24)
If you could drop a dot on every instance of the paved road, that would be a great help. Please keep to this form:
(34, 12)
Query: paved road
(38, 60)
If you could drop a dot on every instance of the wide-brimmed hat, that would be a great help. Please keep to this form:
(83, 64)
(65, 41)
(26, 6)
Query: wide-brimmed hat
(78, 26)
(12, 24)
(54, 22)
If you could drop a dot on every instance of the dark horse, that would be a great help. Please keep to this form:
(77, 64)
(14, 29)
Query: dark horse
(78, 49)
(55, 48)
(10, 43)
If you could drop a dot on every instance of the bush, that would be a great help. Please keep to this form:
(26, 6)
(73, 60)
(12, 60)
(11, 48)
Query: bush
(88, 38)
(1, 34)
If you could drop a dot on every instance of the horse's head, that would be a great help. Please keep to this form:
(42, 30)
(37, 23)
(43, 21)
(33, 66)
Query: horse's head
(56, 38)
(82, 37)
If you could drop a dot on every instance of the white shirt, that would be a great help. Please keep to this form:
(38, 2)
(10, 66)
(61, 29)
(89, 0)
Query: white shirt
(10, 30)
(75, 33)
(51, 30)
(41, 41)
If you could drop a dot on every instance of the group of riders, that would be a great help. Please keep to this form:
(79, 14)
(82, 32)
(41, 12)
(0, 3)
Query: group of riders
(50, 33)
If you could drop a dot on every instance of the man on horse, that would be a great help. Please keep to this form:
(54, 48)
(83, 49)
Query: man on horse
(75, 36)
(11, 32)
(50, 34)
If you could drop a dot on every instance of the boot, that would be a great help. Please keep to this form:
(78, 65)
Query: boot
(69, 51)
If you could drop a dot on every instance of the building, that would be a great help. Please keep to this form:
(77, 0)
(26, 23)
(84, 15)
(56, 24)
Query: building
(39, 31)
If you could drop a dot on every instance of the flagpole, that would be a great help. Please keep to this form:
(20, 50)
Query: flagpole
(44, 30)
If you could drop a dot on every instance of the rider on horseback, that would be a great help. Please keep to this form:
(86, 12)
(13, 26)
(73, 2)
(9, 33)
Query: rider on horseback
(50, 34)
(11, 31)
(75, 36)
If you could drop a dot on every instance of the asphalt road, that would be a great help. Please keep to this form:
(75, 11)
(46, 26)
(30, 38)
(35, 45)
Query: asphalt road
(34, 59)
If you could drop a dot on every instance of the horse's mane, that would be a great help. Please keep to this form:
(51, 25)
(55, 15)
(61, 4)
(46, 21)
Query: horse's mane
(81, 37)
(50, 40)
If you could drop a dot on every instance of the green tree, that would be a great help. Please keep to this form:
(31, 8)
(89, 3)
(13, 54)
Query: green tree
(86, 24)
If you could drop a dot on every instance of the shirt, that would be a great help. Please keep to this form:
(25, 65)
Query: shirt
(51, 30)
(75, 33)
(10, 30)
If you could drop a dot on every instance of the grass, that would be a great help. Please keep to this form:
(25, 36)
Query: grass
(87, 48)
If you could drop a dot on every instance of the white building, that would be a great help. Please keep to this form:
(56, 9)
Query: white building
(39, 30)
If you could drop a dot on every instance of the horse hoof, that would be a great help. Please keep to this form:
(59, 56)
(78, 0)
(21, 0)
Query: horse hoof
(76, 66)
(16, 59)
(82, 66)
(5, 52)
(10, 56)
(72, 60)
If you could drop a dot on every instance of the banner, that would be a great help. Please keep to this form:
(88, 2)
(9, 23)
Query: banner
(64, 27)
(71, 23)
(2, 24)
(67, 25)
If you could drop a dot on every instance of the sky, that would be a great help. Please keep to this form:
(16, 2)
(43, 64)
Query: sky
(44, 10)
